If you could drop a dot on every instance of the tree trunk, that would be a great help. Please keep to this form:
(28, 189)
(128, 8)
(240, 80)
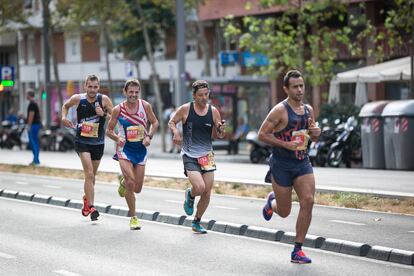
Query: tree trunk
(143, 92)
(154, 73)
(55, 67)
(105, 43)
(202, 41)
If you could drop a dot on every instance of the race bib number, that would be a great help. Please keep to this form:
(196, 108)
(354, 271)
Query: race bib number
(302, 137)
(135, 133)
(89, 129)
(207, 162)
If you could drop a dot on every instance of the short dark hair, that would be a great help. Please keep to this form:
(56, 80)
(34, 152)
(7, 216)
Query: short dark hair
(91, 77)
(31, 93)
(199, 84)
(291, 74)
(132, 82)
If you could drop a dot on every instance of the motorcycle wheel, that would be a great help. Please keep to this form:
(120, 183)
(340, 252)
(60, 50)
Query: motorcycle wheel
(335, 157)
(255, 156)
(319, 160)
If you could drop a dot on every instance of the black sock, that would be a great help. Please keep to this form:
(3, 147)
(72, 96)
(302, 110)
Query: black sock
(90, 206)
(196, 219)
(191, 197)
(298, 246)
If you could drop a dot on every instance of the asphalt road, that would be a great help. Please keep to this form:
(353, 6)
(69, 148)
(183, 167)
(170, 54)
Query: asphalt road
(357, 180)
(47, 240)
(373, 228)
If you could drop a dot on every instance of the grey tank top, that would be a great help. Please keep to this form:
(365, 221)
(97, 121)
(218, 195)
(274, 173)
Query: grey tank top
(197, 132)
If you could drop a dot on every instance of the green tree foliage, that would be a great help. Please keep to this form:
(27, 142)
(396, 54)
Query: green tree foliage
(304, 36)
(159, 18)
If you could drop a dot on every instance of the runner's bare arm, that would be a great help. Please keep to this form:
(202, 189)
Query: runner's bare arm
(314, 130)
(219, 124)
(112, 123)
(107, 104)
(268, 127)
(72, 101)
(179, 116)
(152, 119)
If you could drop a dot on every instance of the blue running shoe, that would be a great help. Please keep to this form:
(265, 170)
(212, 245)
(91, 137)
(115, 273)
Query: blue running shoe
(267, 209)
(195, 225)
(299, 257)
(188, 203)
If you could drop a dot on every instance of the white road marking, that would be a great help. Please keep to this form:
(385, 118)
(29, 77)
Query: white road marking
(52, 186)
(347, 222)
(66, 273)
(6, 256)
(173, 201)
(410, 231)
(211, 206)
(21, 182)
(223, 207)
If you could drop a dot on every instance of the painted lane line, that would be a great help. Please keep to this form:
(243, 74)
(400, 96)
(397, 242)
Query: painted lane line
(6, 256)
(347, 222)
(223, 207)
(211, 206)
(410, 231)
(66, 273)
(52, 186)
(173, 201)
(21, 182)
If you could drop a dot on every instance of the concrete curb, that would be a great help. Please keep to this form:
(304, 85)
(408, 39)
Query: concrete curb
(335, 245)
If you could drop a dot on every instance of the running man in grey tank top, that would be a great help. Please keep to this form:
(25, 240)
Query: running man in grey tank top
(201, 123)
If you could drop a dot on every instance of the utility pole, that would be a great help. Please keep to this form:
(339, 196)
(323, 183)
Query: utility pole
(412, 63)
(181, 93)
(46, 55)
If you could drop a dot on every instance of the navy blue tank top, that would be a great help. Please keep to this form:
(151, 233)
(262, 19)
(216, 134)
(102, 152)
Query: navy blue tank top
(295, 122)
(90, 127)
(197, 132)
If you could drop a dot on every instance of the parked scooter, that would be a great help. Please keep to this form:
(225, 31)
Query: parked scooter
(57, 139)
(347, 147)
(318, 151)
(10, 135)
(259, 152)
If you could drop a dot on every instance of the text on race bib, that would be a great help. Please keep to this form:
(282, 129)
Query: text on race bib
(135, 133)
(89, 129)
(207, 162)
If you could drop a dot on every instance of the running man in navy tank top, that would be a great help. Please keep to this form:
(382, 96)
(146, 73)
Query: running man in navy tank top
(288, 128)
(92, 111)
(133, 137)
(201, 123)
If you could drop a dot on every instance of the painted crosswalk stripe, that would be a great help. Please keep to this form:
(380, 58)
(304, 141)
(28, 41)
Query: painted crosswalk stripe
(66, 273)
(6, 256)
(347, 222)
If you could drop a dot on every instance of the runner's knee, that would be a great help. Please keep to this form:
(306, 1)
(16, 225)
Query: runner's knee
(307, 202)
(283, 212)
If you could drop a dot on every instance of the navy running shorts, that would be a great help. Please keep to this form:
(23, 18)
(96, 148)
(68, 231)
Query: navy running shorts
(285, 170)
(96, 151)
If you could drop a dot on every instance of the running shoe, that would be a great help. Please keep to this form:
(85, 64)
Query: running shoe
(195, 225)
(267, 209)
(134, 223)
(121, 188)
(299, 257)
(188, 202)
(94, 213)
(85, 209)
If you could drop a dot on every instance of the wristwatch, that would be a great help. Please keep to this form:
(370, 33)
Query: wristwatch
(150, 136)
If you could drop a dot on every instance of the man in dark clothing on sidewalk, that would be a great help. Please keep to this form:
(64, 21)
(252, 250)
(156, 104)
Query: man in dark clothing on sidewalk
(33, 125)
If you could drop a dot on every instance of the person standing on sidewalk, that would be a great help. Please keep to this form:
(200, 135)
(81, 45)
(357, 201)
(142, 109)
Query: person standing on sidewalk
(33, 125)
(92, 110)
(288, 127)
(201, 121)
(133, 138)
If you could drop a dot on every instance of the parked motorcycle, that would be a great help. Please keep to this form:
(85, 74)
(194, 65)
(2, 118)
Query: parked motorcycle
(259, 151)
(347, 147)
(318, 151)
(57, 139)
(10, 135)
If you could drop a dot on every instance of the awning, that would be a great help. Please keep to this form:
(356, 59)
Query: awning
(394, 70)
